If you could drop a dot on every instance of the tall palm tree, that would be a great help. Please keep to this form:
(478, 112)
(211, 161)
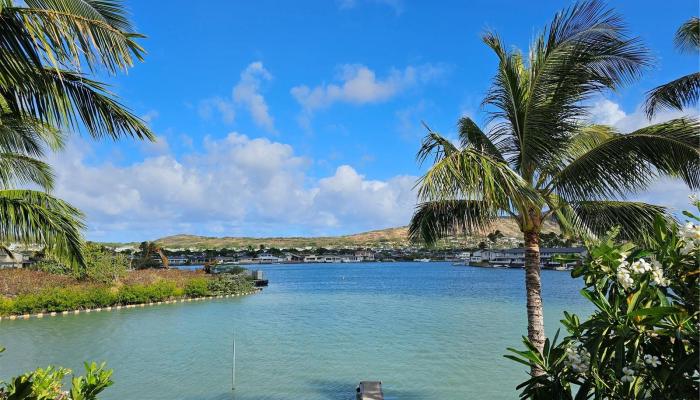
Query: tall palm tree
(538, 160)
(684, 91)
(46, 49)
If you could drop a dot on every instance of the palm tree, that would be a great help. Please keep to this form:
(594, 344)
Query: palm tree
(684, 91)
(148, 250)
(45, 47)
(538, 160)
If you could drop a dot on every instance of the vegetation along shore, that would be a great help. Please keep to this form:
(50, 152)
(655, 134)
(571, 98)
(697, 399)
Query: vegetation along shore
(107, 281)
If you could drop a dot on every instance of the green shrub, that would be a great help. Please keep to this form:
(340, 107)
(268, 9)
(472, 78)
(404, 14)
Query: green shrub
(50, 265)
(101, 265)
(45, 384)
(6, 305)
(229, 284)
(159, 291)
(197, 287)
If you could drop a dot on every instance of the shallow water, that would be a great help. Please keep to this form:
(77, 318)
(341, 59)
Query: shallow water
(427, 330)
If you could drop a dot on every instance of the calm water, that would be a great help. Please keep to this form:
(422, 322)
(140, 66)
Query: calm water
(428, 331)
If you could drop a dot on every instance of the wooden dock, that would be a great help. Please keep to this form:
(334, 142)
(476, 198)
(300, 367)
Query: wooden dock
(370, 390)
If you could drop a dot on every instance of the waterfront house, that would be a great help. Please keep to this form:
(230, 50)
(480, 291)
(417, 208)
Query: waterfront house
(178, 260)
(293, 258)
(313, 259)
(13, 259)
(516, 256)
(364, 255)
(265, 258)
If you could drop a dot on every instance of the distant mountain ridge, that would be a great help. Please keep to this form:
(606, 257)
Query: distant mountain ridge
(388, 237)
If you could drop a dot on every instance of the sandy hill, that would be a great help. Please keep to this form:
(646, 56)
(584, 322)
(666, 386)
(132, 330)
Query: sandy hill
(390, 236)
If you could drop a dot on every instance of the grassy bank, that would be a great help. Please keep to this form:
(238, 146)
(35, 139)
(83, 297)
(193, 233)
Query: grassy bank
(28, 292)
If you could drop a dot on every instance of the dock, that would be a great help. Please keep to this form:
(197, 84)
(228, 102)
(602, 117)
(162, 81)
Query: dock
(370, 390)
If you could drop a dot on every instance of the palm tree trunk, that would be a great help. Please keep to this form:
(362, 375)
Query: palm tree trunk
(533, 287)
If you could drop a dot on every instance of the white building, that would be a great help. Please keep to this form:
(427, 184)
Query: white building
(15, 260)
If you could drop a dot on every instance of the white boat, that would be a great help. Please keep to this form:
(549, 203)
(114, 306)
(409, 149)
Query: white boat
(421, 260)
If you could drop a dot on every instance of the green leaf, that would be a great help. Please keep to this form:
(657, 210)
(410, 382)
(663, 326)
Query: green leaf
(655, 312)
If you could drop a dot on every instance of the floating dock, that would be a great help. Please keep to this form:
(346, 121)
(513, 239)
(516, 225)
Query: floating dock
(370, 390)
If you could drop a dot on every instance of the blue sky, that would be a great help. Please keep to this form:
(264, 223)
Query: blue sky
(303, 118)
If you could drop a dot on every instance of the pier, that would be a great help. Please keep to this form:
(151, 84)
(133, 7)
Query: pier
(370, 390)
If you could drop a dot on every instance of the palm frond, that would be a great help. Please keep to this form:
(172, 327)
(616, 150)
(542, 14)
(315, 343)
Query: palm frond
(435, 144)
(688, 36)
(20, 169)
(677, 94)
(628, 163)
(471, 175)
(437, 219)
(634, 219)
(471, 135)
(68, 99)
(33, 217)
(24, 134)
(96, 32)
(508, 97)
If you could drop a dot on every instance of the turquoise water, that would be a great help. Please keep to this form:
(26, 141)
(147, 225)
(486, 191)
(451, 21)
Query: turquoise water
(427, 330)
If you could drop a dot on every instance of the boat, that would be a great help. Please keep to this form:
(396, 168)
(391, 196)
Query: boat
(421, 260)
(501, 266)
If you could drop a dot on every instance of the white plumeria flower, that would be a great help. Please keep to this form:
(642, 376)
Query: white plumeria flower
(578, 360)
(652, 361)
(691, 231)
(657, 274)
(687, 248)
(624, 278)
(640, 266)
(628, 374)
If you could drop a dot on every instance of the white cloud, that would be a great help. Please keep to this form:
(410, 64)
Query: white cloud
(223, 107)
(159, 146)
(247, 93)
(234, 186)
(150, 116)
(671, 193)
(359, 85)
(608, 112)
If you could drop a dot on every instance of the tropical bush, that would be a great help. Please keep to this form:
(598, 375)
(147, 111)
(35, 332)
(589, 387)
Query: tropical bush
(229, 284)
(197, 287)
(47, 384)
(100, 265)
(158, 291)
(642, 340)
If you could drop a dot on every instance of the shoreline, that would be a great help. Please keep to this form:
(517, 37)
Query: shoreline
(118, 307)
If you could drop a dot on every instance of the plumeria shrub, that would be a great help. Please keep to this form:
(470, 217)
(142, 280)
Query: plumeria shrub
(641, 342)
(47, 384)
